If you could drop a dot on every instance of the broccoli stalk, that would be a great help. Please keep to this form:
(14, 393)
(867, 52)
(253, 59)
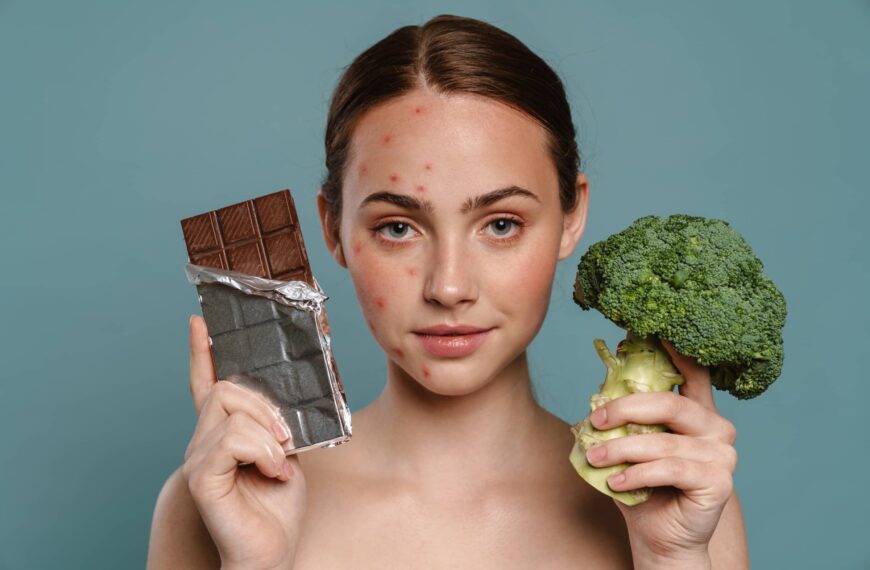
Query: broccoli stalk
(694, 282)
(640, 365)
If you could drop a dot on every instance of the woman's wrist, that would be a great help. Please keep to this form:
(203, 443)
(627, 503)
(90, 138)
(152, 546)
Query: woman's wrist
(285, 564)
(695, 560)
(288, 566)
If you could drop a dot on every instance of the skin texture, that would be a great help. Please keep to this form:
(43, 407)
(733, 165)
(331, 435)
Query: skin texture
(455, 464)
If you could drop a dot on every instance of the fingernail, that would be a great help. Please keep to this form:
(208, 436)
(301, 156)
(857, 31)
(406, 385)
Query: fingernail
(280, 430)
(599, 417)
(596, 453)
(287, 469)
(616, 480)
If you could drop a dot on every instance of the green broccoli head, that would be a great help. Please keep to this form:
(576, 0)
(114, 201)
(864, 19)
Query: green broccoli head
(695, 282)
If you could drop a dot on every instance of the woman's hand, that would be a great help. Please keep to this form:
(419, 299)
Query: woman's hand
(693, 467)
(252, 511)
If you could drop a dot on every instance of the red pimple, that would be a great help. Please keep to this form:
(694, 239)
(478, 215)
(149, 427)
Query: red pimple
(399, 352)
(363, 170)
(428, 166)
(412, 271)
(421, 188)
(379, 301)
(394, 178)
(418, 110)
(387, 138)
(357, 247)
(426, 372)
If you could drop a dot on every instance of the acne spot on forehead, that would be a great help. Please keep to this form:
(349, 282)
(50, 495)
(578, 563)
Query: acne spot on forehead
(420, 188)
(379, 301)
(418, 109)
(394, 178)
(387, 138)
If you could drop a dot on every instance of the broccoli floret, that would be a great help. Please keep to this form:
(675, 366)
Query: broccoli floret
(695, 282)
(692, 281)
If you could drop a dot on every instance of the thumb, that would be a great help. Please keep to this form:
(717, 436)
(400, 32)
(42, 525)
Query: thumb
(697, 384)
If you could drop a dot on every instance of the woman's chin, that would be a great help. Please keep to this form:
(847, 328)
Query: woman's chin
(448, 378)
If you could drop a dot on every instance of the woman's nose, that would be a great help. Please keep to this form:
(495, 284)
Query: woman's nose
(450, 279)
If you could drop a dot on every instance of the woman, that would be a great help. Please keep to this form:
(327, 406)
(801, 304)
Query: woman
(452, 190)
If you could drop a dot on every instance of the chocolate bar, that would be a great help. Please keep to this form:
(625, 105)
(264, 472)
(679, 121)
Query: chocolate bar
(258, 237)
(265, 316)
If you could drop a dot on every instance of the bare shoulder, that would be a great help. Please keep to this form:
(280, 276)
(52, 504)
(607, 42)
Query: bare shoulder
(179, 538)
(590, 519)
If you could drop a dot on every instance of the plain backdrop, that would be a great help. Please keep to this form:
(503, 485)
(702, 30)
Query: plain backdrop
(117, 119)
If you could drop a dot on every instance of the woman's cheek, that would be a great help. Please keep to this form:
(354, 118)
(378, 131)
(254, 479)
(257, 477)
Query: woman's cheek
(376, 279)
(530, 277)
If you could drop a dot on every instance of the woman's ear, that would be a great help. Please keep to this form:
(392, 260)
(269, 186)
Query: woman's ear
(328, 227)
(574, 222)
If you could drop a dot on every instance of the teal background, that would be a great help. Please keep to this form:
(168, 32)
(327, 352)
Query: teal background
(117, 119)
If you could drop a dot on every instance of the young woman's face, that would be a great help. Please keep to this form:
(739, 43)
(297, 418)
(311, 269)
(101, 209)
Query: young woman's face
(451, 217)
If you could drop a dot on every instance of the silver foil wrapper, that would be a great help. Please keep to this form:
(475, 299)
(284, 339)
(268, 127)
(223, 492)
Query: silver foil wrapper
(273, 337)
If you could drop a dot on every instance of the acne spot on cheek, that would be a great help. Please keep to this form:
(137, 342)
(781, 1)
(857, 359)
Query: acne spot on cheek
(428, 166)
(387, 139)
(379, 301)
(412, 271)
(399, 352)
(357, 247)
(394, 178)
(426, 372)
(421, 188)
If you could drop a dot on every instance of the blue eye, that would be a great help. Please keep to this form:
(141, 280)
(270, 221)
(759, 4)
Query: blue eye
(398, 229)
(502, 226)
(394, 230)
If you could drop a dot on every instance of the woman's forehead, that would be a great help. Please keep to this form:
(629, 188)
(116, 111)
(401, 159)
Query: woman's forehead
(466, 143)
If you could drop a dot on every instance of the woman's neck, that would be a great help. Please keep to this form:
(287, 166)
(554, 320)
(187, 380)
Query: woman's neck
(429, 438)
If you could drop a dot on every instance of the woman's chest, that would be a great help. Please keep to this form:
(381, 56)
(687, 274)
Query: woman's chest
(371, 527)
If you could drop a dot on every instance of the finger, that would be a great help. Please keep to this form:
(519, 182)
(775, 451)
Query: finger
(653, 446)
(679, 413)
(202, 373)
(228, 398)
(697, 377)
(240, 441)
(700, 480)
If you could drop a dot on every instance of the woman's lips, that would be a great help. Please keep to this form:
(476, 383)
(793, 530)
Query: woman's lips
(452, 346)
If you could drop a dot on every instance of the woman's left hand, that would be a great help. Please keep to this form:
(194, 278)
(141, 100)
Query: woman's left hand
(692, 466)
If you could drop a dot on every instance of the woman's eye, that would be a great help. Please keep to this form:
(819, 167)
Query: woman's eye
(394, 230)
(503, 226)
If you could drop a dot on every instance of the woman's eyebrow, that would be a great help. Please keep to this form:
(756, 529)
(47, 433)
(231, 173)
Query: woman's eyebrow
(400, 200)
(491, 197)
(412, 203)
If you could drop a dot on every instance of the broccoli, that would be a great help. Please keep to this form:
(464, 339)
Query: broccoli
(694, 282)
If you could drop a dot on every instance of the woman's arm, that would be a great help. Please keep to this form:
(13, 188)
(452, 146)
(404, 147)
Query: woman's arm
(728, 548)
(179, 538)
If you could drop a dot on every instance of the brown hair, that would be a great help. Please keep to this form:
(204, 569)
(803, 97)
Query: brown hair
(451, 54)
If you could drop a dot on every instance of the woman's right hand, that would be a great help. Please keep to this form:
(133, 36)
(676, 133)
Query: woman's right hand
(253, 511)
